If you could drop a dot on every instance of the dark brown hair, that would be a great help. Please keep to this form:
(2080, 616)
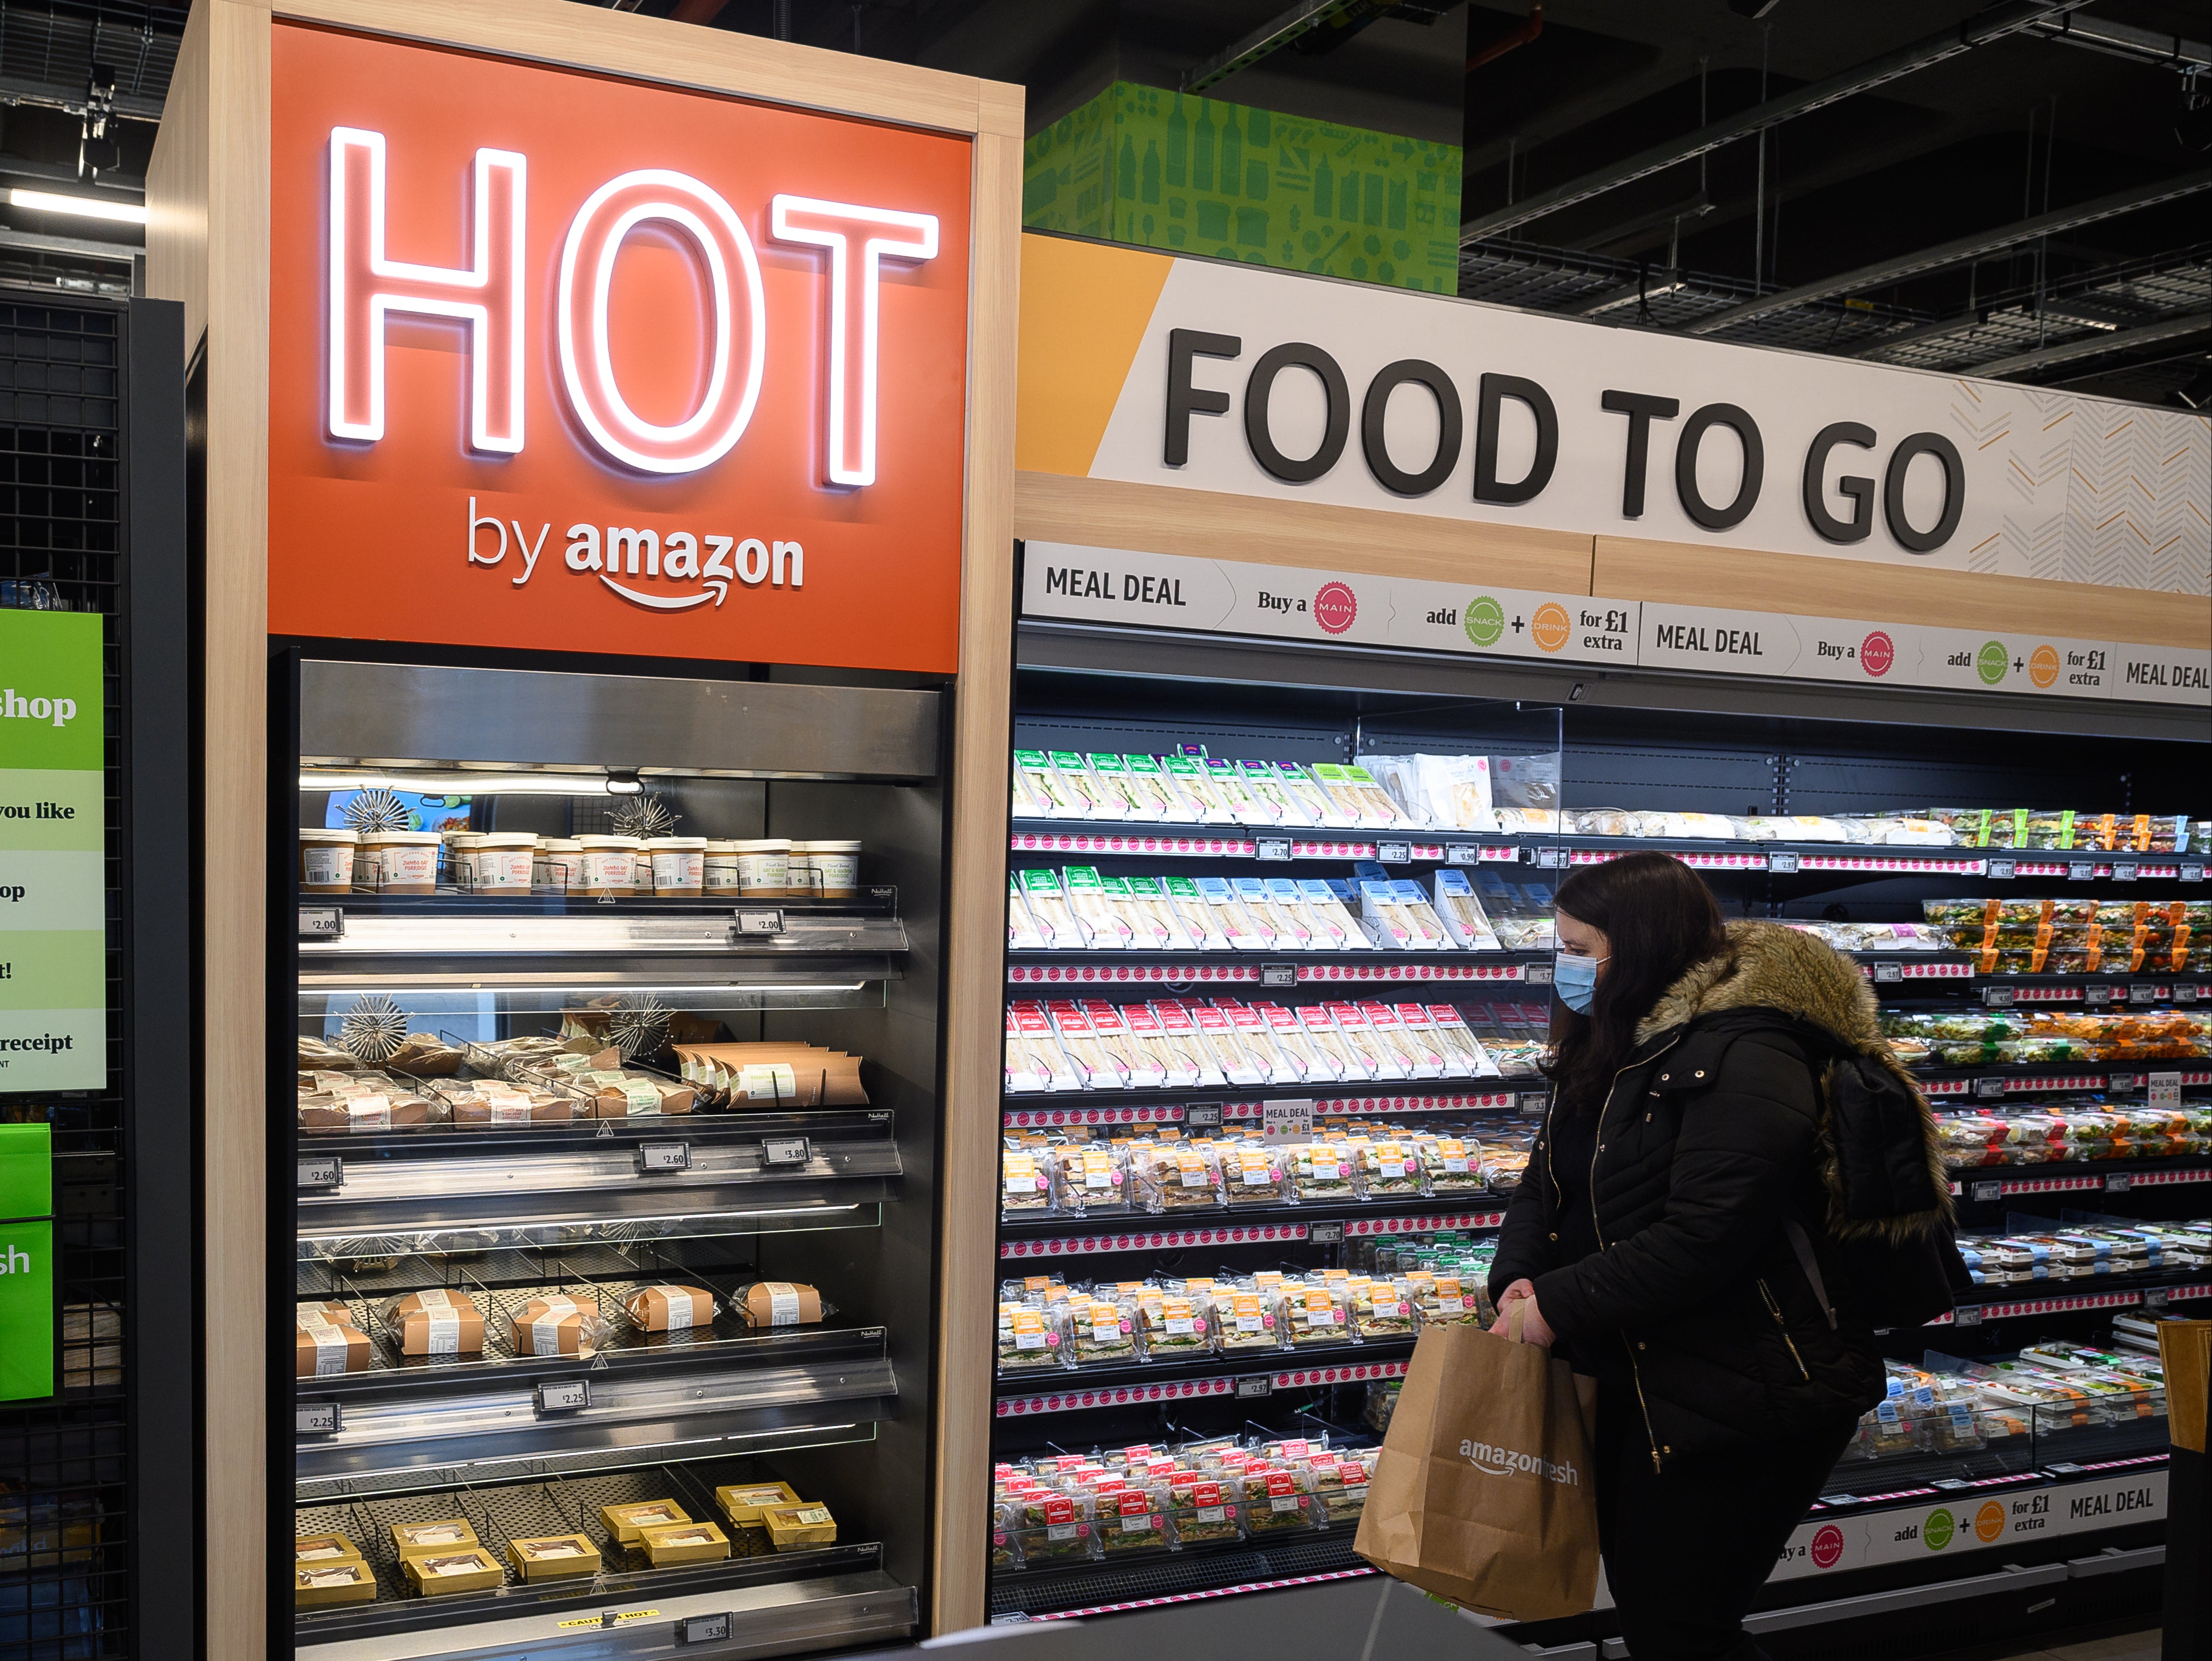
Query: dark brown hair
(1658, 919)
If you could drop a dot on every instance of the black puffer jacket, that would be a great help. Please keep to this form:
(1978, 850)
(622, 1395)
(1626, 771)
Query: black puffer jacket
(1712, 1139)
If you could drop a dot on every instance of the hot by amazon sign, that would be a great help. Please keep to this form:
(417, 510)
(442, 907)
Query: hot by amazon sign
(562, 361)
(1206, 375)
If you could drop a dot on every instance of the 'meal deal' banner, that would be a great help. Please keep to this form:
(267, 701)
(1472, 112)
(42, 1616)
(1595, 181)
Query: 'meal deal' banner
(53, 909)
(1210, 596)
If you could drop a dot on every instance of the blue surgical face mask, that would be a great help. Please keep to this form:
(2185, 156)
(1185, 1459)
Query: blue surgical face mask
(1574, 978)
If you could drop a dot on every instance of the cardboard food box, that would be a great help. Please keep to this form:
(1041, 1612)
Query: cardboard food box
(310, 1548)
(683, 1543)
(557, 1326)
(625, 1522)
(440, 1573)
(326, 1344)
(523, 1107)
(436, 1323)
(793, 1526)
(549, 1557)
(447, 1534)
(780, 1303)
(744, 1501)
(341, 1581)
(672, 1308)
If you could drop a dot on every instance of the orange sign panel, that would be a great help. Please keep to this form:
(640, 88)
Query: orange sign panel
(563, 362)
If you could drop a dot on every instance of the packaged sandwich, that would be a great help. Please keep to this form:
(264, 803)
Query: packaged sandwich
(1363, 1045)
(764, 1306)
(1273, 802)
(1388, 1169)
(1296, 1047)
(1202, 1509)
(1155, 1058)
(1241, 1057)
(1049, 909)
(1414, 1046)
(1194, 785)
(1254, 1174)
(1141, 1065)
(1228, 784)
(1156, 798)
(1090, 1179)
(1231, 919)
(1285, 929)
(1104, 928)
(1244, 1319)
(1314, 1313)
(1118, 788)
(1450, 1165)
(1105, 1329)
(1383, 1309)
(1322, 1171)
(1313, 802)
(1175, 1177)
(1333, 927)
(1096, 1063)
(1195, 1057)
(1032, 1337)
(1085, 790)
(1133, 1519)
(1052, 1528)
(1034, 1060)
(1159, 924)
(1191, 909)
(1462, 913)
(1023, 934)
(1465, 1054)
(1330, 1044)
(1173, 1325)
(1361, 794)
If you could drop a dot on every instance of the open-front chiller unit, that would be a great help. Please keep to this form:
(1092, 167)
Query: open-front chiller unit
(605, 1020)
(1278, 984)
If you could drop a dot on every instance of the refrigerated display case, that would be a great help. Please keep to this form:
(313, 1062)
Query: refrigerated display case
(1844, 816)
(609, 1181)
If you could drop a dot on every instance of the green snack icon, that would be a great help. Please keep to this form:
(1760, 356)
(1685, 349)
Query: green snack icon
(1991, 661)
(1938, 1529)
(1485, 620)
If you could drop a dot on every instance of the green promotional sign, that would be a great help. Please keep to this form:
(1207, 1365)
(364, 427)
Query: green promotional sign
(27, 1311)
(26, 1263)
(53, 909)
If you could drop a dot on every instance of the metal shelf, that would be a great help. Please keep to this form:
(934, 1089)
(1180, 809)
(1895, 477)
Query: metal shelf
(1029, 1224)
(832, 1381)
(1340, 1096)
(1202, 1571)
(1992, 1081)
(526, 1186)
(777, 1602)
(1252, 1364)
(2074, 1177)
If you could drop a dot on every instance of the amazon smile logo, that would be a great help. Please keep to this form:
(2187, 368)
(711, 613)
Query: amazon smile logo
(660, 571)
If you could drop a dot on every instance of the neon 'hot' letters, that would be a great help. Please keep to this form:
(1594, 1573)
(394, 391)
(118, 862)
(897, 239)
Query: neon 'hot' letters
(367, 286)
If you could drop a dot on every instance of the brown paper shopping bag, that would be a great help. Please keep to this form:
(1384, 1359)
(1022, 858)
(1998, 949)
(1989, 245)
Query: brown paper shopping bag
(1484, 1494)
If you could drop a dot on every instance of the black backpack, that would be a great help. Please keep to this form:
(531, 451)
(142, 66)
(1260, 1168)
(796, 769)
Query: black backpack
(1890, 1224)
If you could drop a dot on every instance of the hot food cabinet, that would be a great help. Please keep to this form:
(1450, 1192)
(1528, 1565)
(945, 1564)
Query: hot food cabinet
(604, 1051)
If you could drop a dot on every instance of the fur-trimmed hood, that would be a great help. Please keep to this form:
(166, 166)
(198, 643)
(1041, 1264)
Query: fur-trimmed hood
(1769, 966)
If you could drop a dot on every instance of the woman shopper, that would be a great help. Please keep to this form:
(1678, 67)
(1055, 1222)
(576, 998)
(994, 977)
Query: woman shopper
(1672, 1238)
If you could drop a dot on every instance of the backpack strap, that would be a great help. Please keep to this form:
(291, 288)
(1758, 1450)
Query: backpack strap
(1801, 1244)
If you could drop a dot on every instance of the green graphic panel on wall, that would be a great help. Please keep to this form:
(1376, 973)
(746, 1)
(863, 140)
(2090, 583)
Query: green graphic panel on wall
(1193, 175)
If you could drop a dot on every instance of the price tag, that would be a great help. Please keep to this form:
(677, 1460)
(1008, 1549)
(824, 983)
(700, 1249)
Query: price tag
(2004, 870)
(1888, 973)
(2142, 992)
(1271, 847)
(1546, 858)
(564, 1396)
(2164, 1089)
(321, 923)
(757, 924)
(1203, 1116)
(1537, 974)
(318, 1418)
(703, 1629)
(1988, 1090)
(2156, 1298)
(1536, 1103)
(1997, 997)
(2116, 1182)
(1462, 853)
(1286, 1119)
(1987, 1193)
(2184, 992)
(1781, 865)
(1279, 974)
(1250, 1390)
(1325, 1233)
(2096, 995)
(2081, 870)
(2126, 872)
(1969, 1317)
(780, 1151)
(1394, 853)
(327, 1173)
(2192, 874)
(2117, 1084)
(653, 1156)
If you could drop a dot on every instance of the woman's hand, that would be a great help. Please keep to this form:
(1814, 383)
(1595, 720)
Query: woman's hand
(1535, 1329)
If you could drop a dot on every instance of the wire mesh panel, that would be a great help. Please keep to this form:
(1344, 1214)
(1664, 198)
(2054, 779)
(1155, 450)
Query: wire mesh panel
(63, 1491)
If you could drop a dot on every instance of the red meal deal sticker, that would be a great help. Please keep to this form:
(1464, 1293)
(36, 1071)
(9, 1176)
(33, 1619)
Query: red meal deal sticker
(1827, 1546)
(1335, 607)
(1135, 1504)
(1059, 1509)
(1877, 653)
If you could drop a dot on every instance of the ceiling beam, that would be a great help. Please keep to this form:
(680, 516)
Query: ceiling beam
(1271, 37)
(1959, 248)
(2096, 345)
(1995, 24)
